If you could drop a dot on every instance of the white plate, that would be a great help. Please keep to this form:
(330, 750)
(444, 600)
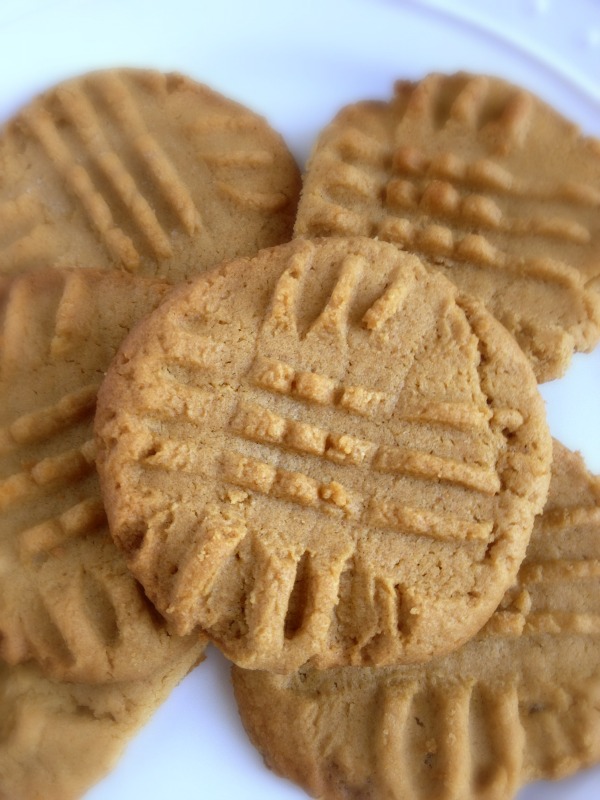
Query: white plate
(297, 64)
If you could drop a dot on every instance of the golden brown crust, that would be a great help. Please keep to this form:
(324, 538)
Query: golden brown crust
(323, 455)
(489, 184)
(67, 599)
(518, 703)
(142, 171)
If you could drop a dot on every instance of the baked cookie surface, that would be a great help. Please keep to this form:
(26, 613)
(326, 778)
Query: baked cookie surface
(516, 704)
(487, 182)
(142, 171)
(67, 599)
(58, 739)
(323, 455)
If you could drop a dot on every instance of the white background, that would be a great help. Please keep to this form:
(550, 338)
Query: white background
(298, 64)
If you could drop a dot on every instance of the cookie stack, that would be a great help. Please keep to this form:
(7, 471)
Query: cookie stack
(326, 454)
(143, 179)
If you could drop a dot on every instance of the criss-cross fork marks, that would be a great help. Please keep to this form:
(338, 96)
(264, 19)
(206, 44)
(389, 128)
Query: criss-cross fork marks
(282, 484)
(255, 422)
(442, 204)
(326, 497)
(281, 378)
(304, 597)
(228, 531)
(438, 194)
(75, 643)
(261, 425)
(422, 170)
(307, 594)
(280, 441)
(334, 320)
(134, 197)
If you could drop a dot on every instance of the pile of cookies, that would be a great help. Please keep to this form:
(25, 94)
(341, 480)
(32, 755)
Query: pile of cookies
(301, 421)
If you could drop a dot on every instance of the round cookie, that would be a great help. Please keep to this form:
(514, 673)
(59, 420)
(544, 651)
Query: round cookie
(142, 171)
(67, 599)
(487, 182)
(517, 704)
(323, 455)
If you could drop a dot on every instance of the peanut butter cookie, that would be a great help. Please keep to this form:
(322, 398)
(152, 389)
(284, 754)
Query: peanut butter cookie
(141, 171)
(490, 185)
(323, 455)
(67, 599)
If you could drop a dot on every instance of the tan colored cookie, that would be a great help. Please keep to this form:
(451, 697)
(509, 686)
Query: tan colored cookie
(67, 599)
(58, 739)
(143, 171)
(489, 184)
(323, 455)
(519, 703)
